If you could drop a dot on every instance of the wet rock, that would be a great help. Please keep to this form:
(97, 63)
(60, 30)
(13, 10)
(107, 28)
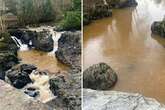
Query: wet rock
(27, 68)
(40, 40)
(113, 100)
(7, 43)
(8, 53)
(13, 99)
(95, 9)
(122, 3)
(158, 28)
(24, 35)
(69, 48)
(68, 92)
(18, 76)
(43, 41)
(32, 92)
(99, 77)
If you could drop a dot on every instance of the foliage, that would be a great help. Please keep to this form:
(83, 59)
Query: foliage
(72, 18)
(34, 12)
(72, 21)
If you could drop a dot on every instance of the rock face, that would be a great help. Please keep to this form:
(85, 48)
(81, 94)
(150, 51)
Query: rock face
(68, 92)
(19, 76)
(24, 35)
(12, 99)
(113, 100)
(158, 28)
(99, 77)
(8, 53)
(69, 48)
(40, 40)
(43, 41)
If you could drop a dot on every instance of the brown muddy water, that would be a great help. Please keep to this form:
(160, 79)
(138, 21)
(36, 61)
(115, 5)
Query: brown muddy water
(125, 42)
(45, 61)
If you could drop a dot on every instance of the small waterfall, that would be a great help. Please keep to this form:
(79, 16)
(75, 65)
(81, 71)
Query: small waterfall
(22, 47)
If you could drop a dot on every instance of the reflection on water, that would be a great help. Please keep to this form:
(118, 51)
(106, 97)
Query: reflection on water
(124, 41)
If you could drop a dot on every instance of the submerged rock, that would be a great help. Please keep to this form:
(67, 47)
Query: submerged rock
(69, 48)
(99, 77)
(158, 28)
(68, 92)
(113, 100)
(19, 76)
(13, 99)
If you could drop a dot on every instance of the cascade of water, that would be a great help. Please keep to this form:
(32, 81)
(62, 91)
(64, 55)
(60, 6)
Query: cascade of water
(22, 47)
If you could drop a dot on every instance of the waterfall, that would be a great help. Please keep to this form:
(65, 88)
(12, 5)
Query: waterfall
(22, 47)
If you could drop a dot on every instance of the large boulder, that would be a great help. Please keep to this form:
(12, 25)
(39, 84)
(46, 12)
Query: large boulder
(68, 92)
(113, 100)
(69, 48)
(43, 41)
(99, 77)
(18, 76)
(158, 28)
(13, 99)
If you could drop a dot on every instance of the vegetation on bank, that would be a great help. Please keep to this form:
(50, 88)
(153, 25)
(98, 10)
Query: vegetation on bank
(72, 18)
(33, 12)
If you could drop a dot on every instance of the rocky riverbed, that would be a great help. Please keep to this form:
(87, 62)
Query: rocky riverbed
(39, 84)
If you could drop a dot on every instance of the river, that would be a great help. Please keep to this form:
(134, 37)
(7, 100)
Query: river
(44, 61)
(125, 42)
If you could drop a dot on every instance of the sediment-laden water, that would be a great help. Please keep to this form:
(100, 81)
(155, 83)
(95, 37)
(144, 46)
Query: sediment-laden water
(44, 61)
(125, 42)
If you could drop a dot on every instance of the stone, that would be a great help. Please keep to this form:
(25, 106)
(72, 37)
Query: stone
(31, 91)
(18, 76)
(99, 77)
(68, 92)
(43, 41)
(69, 48)
(115, 100)
(8, 53)
(158, 28)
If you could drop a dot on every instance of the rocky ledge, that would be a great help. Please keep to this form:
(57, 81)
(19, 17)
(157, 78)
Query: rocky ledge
(39, 40)
(13, 99)
(113, 100)
(69, 49)
(68, 91)
(8, 53)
